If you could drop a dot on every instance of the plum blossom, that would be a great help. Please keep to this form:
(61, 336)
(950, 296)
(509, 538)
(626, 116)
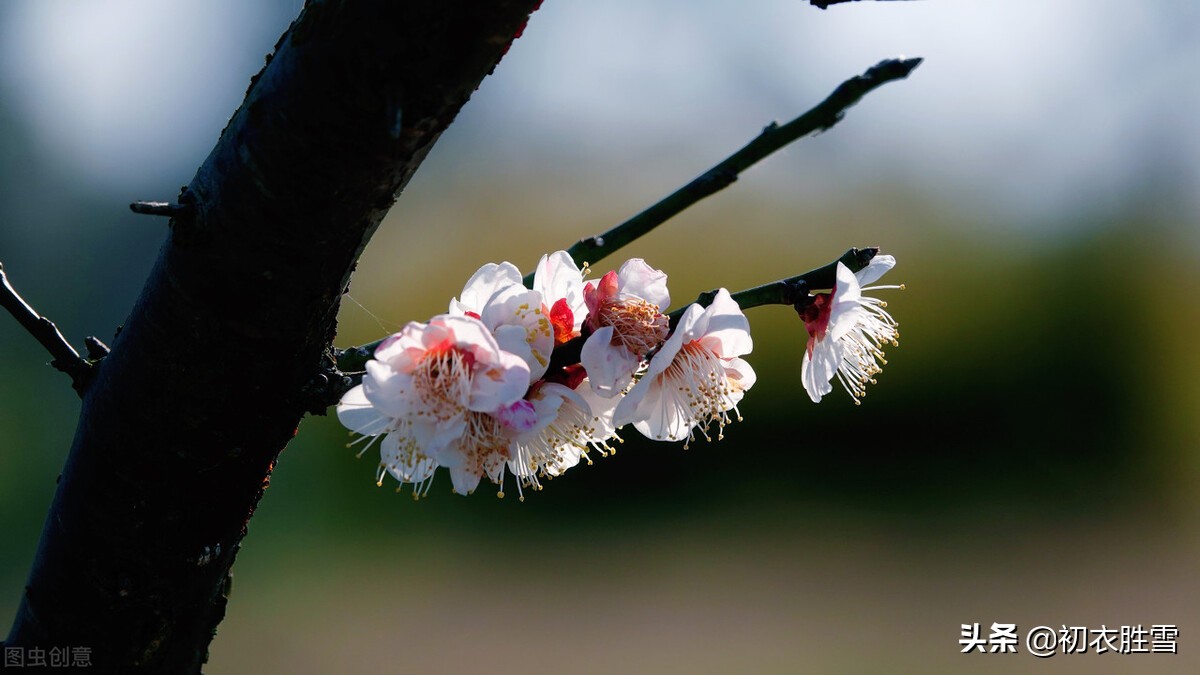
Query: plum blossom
(560, 282)
(626, 324)
(847, 331)
(569, 426)
(427, 387)
(696, 378)
(514, 314)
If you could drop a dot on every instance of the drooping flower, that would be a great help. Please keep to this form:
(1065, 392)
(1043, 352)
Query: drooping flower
(568, 427)
(696, 377)
(847, 331)
(428, 386)
(625, 317)
(541, 435)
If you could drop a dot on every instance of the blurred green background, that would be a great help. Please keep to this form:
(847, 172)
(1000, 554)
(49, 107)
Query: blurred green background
(1028, 456)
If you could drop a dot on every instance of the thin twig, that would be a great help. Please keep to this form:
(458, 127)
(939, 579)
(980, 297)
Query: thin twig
(44, 331)
(787, 291)
(826, 114)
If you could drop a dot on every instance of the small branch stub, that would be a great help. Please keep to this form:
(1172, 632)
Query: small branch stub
(167, 209)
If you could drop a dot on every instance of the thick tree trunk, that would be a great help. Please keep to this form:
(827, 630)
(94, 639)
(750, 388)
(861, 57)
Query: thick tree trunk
(212, 372)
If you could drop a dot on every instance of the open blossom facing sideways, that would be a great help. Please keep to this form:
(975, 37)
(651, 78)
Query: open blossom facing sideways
(426, 388)
(696, 378)
(560, 282)
(627, 323)
(847, 331)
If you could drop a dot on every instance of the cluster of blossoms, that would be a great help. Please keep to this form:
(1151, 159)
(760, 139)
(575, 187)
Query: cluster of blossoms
(528, 381)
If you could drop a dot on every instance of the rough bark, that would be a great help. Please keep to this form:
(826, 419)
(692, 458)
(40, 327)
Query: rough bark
(208, 379)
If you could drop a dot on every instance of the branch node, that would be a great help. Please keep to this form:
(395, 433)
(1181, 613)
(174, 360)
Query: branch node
(65, 358)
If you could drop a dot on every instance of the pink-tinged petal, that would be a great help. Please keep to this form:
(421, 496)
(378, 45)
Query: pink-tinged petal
(609, 367)
(466, 333)
(499, 381)
(875, 269)
(728, 332)
(482, 285)
(437, 335)
(400, 349)
(596, 294)
(640, 280)
(519, 416)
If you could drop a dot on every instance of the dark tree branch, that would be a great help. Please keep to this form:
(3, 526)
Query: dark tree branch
(826, 114)
(66, 359)
(213, 369)
(824, 4)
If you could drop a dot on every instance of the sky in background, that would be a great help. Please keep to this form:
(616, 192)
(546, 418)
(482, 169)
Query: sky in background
(1035, 108)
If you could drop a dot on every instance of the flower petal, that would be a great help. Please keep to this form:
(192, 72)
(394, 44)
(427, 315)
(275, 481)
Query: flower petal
(636, 278)
(878, 266)
(357, 414)
(482, 285)
(818, 368)
(500, 381)
(727, 332)
(610, 367)
(557, 277)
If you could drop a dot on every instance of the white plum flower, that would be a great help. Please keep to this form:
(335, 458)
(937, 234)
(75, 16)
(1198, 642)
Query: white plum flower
(847, 331)
(560, 282)
(625, 317)
(696, 377)
(426, 387)
(486, 282)
(517, 317)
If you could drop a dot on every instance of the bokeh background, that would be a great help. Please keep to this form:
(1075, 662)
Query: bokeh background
(1030, 454)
